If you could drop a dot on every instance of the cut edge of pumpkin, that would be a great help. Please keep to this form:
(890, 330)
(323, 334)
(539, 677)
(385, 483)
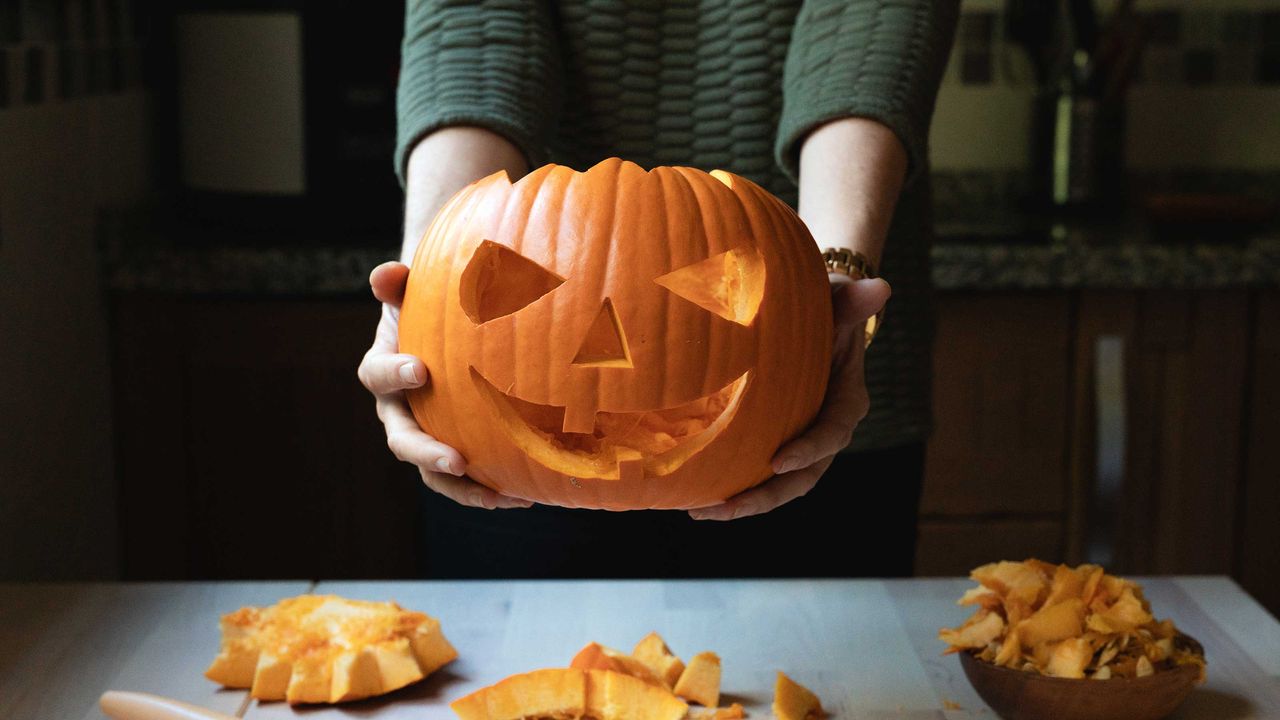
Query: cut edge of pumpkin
(537, 430)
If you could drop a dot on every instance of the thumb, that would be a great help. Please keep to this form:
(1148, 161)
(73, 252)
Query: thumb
(388, 281)
(852, 303)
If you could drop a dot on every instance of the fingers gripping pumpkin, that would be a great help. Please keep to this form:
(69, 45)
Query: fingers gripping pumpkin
(619, 338)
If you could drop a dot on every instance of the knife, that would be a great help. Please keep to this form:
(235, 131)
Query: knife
(144, 706)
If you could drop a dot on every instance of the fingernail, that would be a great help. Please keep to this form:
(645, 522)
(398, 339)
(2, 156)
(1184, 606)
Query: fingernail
(442, 465)
(409, 373)
(477, 499)
(743, 511)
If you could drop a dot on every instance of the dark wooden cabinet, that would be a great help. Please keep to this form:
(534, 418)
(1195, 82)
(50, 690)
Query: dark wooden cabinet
(248, 448)
(996, 476)
(1027, 411)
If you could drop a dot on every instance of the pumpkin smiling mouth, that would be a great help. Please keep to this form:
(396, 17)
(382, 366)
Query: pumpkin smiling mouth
(622, 445)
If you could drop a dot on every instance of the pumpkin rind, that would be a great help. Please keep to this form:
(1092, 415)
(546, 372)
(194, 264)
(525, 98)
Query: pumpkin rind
(679, 396)
(565, 693)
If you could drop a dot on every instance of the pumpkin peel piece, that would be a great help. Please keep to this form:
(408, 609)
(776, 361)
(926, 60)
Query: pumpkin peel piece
(700, 681)
(550, 693)
(271, 678)
(355, 676)
(431, 648)
(652, 650)
(793, 701)
(310, 682)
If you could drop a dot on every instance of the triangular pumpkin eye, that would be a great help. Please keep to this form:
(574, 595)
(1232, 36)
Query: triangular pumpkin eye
(605, 344)
(499, 281)
(730, 284)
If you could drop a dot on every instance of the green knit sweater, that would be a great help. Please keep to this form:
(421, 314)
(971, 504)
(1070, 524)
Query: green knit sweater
(732, 84)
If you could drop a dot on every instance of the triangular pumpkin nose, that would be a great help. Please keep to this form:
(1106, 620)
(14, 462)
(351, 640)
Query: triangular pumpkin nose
(605, 345)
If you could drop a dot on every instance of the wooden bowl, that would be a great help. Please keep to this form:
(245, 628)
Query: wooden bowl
(1022, 695)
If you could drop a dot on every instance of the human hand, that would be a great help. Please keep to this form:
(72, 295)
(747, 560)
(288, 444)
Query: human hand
(387, 373)
(802, 461)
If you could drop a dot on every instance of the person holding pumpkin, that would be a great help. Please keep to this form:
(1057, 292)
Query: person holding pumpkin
(836, 95)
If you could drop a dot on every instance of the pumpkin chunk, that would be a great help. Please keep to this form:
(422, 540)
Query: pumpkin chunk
(793, 701)
(652, 650)
(700, 681)
(327, 649)
(595, 656)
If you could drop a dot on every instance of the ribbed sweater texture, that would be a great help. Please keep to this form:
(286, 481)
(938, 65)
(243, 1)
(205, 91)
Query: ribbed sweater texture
(731, 84)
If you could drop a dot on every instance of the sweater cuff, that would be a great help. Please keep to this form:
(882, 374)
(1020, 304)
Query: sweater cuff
(795, 126)
(414, 128)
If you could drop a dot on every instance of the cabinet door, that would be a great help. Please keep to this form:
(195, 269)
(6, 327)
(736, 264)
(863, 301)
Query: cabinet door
(995, 477)
(1258, 555)
(248, 448)
(1173, 506)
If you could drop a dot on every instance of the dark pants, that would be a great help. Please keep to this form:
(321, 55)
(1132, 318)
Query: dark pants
(859, 521)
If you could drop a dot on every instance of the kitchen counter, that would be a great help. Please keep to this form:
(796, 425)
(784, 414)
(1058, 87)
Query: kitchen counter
(866, 647)
(966, 257)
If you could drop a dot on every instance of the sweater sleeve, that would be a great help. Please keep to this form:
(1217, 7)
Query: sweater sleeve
(486, 63)
(879, 59)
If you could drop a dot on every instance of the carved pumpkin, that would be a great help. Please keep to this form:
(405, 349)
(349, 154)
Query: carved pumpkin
(618, 338)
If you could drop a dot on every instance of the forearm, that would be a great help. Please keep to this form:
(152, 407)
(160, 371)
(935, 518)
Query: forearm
(443, 163)
(851, 172)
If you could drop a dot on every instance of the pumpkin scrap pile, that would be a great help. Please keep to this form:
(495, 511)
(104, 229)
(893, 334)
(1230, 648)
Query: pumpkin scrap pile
(1066, 622)
(327, 649)
(650, 683)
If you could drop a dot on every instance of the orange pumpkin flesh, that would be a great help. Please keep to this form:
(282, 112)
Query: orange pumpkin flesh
(619, 338)
(700, 681)
(793, 701)
(652, 650)
(595, 656)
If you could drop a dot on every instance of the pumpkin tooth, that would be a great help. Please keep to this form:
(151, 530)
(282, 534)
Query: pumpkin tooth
(234, 666)
(311, 681)
(397, 665)
(270, 678)
(430, 647)
(355, 675)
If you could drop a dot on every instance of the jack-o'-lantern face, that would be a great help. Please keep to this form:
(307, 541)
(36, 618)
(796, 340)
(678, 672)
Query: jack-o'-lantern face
(618, 338)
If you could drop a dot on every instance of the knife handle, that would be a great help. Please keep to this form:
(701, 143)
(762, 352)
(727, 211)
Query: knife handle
(144, 706)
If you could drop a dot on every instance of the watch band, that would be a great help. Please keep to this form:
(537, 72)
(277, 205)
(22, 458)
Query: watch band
(855, 265)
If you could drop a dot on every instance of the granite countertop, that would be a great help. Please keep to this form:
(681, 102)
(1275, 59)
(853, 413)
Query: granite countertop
(966, 257)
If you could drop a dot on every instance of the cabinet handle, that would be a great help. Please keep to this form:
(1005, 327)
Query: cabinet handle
(1110, 401)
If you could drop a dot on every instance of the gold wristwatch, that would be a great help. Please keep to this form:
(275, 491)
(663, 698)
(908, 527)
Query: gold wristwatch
(857, 266)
